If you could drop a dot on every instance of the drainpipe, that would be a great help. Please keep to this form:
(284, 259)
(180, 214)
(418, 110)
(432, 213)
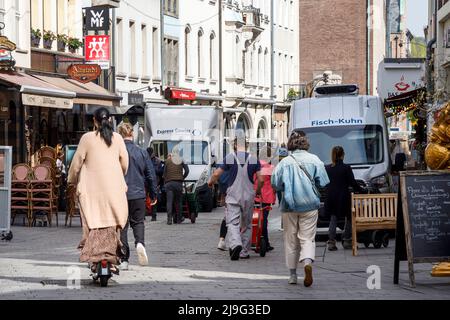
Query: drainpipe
(368, 27)
(272, 60)
(430, 80)
(162, 46)
(220, 49)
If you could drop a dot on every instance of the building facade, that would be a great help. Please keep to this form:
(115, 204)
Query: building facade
(351, 48)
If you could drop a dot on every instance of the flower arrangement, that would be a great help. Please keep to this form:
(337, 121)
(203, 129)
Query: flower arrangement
(36, 36)
(62, 41)
(48, 37)
(74, 44)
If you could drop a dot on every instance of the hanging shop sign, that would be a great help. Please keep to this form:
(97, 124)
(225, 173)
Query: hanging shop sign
(84, 73)
(97, 19)
(135, 98)
(7, 61)
(97, 49)
(46, 102)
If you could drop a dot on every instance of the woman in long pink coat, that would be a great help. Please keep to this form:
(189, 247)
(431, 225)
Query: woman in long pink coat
(97, 169)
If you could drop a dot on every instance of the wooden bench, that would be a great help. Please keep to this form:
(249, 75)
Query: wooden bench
(372, 212)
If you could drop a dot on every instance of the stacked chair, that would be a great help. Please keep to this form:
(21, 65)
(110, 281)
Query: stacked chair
(20, 192)
(35, 191)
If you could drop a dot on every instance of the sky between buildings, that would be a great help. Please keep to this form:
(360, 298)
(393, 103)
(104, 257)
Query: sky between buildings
(416, 16)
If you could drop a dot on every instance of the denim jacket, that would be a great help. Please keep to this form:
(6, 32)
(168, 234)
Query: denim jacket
(298, 193)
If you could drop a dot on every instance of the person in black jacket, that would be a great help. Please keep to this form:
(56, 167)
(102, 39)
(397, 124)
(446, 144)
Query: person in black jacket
(158, 165)
(338, 202)
(139, 178)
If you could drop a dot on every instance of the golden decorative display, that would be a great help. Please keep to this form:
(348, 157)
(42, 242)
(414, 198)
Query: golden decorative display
(437, 154)
(441, 270)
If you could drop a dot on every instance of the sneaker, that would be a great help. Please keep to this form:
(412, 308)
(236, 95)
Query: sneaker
(293, 279)
(142, 255)
(124, 265)
(169, 220)
(347, 244)
(234, 253)
(308, 276)
(244, 256)
(222, 246)
(332, 245)
(270, 248)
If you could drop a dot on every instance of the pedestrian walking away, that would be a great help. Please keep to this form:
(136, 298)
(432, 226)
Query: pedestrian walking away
(175, 172)
(241, 168)
(268, 196)
(139, 178)
(97, 169)
(158, 165)
(338, 201)
(298, 177)
(223, 184)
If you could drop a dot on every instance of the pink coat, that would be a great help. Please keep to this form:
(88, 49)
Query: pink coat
(267, 192)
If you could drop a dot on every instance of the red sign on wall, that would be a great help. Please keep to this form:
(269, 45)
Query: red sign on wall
(97, 49)
(183, 94)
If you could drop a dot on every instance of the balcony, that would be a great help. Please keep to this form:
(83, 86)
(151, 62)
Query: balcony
(252, 19)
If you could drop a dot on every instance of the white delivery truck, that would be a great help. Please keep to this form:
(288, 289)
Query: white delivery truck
(194, 133)
(338, 116)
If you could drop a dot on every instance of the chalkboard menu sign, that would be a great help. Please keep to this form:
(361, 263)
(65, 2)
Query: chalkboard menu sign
(423, 219)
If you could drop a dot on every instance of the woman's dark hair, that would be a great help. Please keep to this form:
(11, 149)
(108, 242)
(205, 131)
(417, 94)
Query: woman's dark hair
(105, 129)
(298, 141)
(337, 153)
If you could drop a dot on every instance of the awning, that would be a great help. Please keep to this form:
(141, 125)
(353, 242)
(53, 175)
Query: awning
(39, 93)
(404, 97)
(86, 93)
(258, 101)
(209, 97)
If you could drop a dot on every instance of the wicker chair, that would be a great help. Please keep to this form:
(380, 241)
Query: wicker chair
(47, 152)
(42, 195)
(20, 192)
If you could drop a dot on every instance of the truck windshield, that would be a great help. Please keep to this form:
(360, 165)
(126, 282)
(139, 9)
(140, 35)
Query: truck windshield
(363, 145)
(192, 152)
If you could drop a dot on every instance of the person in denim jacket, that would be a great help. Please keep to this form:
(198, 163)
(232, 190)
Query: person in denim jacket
(300, 203)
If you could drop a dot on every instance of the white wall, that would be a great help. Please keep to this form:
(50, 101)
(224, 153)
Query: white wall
(379, 39)
(134, 60)
(17, 29)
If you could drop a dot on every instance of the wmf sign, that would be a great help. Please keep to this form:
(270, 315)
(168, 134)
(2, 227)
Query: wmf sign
(97, 18)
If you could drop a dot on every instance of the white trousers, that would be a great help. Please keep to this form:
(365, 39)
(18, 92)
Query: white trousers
(299, 236)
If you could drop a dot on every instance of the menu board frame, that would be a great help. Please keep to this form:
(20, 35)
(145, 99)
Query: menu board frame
(404, 247)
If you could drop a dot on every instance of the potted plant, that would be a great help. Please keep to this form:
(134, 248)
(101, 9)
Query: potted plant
(48, 37)
(36, 36)
(62, 40)
(74, 44)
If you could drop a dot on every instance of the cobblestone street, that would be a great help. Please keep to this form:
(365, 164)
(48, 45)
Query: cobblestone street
(185, 264)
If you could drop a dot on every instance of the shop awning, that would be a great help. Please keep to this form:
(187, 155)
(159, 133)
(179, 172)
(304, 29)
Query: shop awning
(180, 94)
(404, 98)
(86, 93)
(39, 93)
(258, 101)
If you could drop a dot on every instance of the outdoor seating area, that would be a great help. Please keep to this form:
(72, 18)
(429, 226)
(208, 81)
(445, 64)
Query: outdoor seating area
(35, 190)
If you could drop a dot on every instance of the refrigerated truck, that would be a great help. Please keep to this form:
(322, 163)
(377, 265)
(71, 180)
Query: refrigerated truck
(338, 116)
(194, 133)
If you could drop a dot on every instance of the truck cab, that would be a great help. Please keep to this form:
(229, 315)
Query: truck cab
(338, 116)
(193, 133)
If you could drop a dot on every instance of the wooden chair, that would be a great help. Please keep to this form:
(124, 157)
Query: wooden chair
(47, 152)
(20, 192)
(42, 197)
(72, 209)
(372, 212)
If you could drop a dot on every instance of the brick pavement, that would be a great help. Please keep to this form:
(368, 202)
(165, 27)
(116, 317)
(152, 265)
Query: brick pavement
(185, 264)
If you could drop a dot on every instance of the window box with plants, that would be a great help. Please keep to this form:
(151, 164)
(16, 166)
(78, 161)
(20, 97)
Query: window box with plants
(36, 36)
(62, 41)
(48, 37)
(74, 44)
